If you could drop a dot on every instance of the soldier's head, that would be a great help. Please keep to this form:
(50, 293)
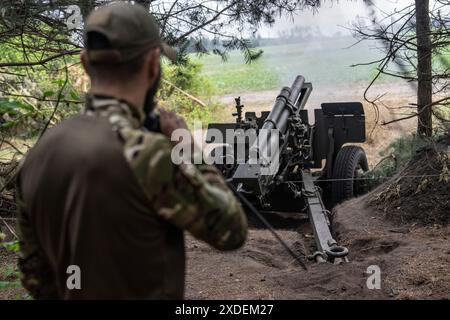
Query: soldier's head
(123, 48)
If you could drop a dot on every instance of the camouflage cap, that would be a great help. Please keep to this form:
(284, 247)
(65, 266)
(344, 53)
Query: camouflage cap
(130, 30)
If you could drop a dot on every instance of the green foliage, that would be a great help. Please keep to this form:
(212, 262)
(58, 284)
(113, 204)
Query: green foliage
(27, 102)
(234, 75)
(441, 120)
(188, 109)
(324, 63)
(9, 276)
(11, 245)
(404, 148)
(188, 78)
(28, 96)
(10, 271)
(395, 157)
(10, 285)
(14, 112)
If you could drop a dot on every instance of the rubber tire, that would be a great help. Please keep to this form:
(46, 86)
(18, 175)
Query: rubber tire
(347, 160)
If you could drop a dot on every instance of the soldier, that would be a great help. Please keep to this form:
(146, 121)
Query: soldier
(100, 193)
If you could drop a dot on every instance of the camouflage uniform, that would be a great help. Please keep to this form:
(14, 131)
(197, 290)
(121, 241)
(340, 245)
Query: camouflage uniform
(190, 197)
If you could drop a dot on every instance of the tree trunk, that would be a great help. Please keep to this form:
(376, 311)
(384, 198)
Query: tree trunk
(424, 89)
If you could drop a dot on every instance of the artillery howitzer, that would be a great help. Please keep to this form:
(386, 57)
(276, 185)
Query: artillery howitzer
(282, 169)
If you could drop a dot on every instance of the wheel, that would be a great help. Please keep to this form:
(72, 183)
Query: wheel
(350, 163)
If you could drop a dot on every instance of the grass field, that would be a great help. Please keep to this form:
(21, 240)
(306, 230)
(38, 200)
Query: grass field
(323, 62)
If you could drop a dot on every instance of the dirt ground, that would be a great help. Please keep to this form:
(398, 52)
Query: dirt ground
(414, 262)
(401, 227)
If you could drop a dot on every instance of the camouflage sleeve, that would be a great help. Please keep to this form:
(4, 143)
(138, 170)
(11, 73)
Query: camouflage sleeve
(193, 197)
(36, 274)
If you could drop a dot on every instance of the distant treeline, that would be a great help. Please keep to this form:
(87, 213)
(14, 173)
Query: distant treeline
(296, 34)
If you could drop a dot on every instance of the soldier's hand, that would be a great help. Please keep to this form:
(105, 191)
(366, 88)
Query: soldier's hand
(171, 122)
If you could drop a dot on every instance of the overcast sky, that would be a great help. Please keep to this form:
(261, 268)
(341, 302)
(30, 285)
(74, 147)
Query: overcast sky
(332, 15)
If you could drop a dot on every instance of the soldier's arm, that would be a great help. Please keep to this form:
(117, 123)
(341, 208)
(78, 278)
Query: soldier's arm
(36, 274)
(193, 197)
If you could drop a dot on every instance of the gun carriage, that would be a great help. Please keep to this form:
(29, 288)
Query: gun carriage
(284, 162)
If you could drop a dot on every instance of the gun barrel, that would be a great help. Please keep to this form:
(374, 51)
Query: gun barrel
(296, 90)
(266, 149)
(281, 111)
(283, 108)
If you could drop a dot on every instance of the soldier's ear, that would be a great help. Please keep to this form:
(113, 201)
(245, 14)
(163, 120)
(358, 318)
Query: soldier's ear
(153, 61)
